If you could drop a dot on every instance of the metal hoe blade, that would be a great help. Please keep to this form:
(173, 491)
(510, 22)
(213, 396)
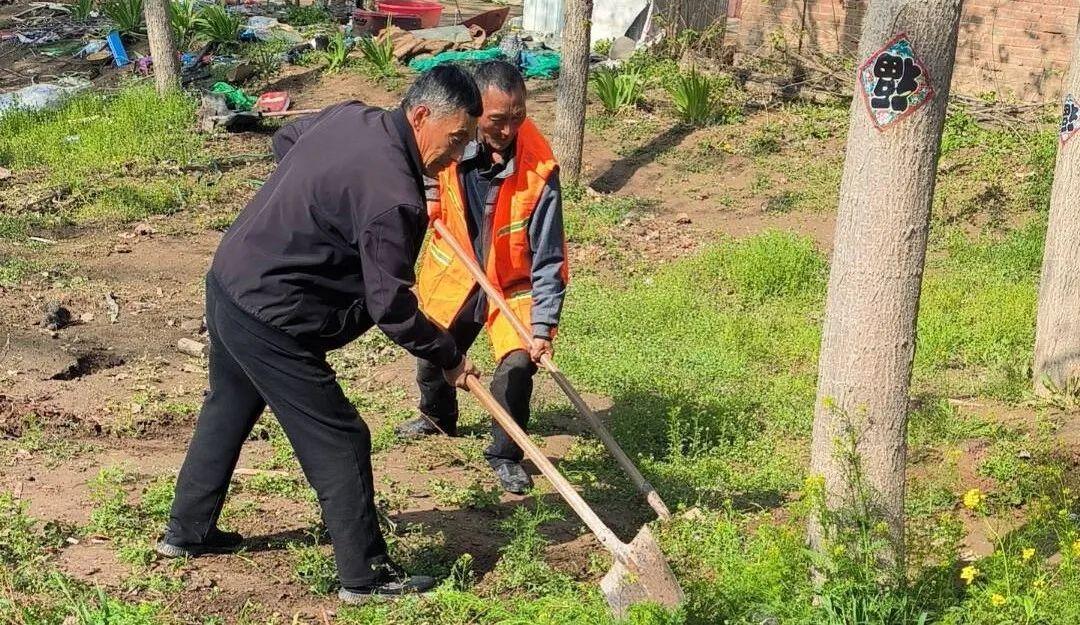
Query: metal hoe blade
(642, 574)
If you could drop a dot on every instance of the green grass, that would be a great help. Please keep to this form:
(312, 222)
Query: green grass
(976, 327)
(84, 147)
(589, 219)
(14, 271)
(472, 495)
(710, 363)
(94, 134)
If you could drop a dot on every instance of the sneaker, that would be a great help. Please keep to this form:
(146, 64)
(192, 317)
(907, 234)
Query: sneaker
(216, 541)
(513, 478)
(392, 582)
(423, 426)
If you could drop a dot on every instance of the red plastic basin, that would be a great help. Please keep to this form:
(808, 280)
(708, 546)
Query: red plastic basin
(428, 12)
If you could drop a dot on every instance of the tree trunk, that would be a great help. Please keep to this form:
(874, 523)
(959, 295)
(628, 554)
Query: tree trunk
(868, 339)
(162, 45)
(569, 134)
(1057, 332)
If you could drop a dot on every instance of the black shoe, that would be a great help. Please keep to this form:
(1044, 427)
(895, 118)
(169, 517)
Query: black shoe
(216, 541)
(513, 478)
(392, 582)
(423, 426)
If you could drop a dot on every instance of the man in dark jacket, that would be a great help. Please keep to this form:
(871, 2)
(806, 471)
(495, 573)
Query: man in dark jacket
(323, 252)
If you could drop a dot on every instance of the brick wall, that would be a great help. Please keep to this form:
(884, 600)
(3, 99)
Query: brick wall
(1016, 48)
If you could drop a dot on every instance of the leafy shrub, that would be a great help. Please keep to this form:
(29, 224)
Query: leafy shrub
(216, 24)
(617, 90)
(379, 53)
(80, 9)
(307, 15)
(337, 53)
(183, 15)
(693, 98)
(126, 14)
(265, 58)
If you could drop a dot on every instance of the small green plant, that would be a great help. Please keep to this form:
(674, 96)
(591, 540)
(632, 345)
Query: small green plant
(692, 95)
(126, 14)
(217, 24)
(80, 9)
(474, 495)
(314, 568)
(766, 140)
(183, 15)
(265, 58)
(379, 54)
(307, 15)
(782, 203)
(337, 53)
(603, 46)
(521, 565)
(21, 542)
(618, 89)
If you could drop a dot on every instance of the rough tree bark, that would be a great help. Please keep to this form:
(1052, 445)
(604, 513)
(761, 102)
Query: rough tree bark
(1057, 331)
(572, 90)
(162, 45)
(868, 339)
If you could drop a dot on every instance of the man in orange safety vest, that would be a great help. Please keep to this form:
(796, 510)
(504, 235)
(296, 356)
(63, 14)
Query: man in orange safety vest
(503, 203)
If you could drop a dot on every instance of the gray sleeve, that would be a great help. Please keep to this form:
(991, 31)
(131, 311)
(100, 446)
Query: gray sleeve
(548, 243)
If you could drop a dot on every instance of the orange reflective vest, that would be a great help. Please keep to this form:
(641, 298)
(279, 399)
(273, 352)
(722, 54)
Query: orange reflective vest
(444, 283)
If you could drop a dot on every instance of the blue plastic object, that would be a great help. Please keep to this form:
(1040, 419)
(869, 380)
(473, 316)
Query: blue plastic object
(119, 54)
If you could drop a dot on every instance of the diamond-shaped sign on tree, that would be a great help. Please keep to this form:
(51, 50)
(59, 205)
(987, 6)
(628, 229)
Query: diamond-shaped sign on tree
(894, 83)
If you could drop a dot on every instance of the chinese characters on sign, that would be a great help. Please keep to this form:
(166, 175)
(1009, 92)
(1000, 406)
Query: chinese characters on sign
(894, 83)
(1069, 119)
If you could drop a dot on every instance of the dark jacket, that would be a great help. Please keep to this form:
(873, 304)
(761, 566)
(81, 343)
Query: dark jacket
(327, 248)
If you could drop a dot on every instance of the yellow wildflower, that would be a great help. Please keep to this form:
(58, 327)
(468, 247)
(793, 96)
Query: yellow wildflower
(968, 574)
(1026, 554)
(1076, 548)
(1039, 583)
(997, 600)
(973, 498)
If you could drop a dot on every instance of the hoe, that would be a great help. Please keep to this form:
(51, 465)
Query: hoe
(640, 573)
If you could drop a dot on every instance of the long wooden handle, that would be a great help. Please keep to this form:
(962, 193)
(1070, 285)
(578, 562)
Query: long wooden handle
(643, 485)
(532, 452)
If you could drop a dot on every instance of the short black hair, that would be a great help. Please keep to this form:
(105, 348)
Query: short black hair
(444, 89)
(499, 74)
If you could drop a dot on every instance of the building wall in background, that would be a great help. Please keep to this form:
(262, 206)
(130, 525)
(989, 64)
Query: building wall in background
(1018, 49)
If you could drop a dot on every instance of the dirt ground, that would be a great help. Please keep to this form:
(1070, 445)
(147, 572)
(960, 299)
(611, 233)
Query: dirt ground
(114, 387)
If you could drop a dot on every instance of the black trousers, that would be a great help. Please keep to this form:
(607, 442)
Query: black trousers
(253, 365)
(511, 386)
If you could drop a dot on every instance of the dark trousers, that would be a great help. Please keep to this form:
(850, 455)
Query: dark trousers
(511, 386)
(253, 365)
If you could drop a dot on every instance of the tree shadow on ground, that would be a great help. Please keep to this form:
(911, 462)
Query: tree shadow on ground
(621, 171)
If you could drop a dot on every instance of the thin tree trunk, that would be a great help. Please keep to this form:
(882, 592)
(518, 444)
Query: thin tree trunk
(1057, 332)
(572, 92)
(162, 45)
(868, 339)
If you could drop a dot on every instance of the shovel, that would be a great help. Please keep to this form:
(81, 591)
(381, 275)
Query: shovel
(640, 572)
(643, 485)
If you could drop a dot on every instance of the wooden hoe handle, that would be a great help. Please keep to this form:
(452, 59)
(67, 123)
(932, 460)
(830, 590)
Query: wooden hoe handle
(532, 452)
(597, 426)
